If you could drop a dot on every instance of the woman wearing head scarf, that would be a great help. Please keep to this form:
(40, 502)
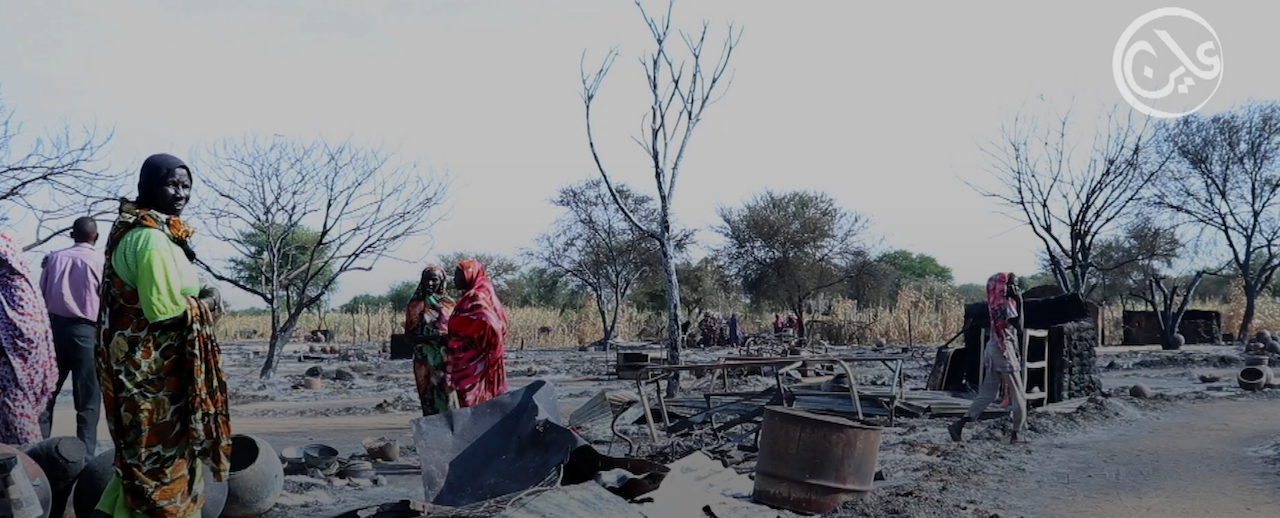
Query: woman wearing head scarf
(477, 330)
(427, 318)
(28, 369)
(1000, 364)
(163, 388)
(735, 331)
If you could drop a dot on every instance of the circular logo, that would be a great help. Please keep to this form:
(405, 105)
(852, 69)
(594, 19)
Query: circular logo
(1168, 63)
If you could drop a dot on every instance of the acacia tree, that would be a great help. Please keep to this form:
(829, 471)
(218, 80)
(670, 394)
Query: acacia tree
(1069, 201)
(1142, 251)
(595, 245)
(264, 192)
(705, 284)
(681, 89)
(788, 247)
(1227, 185)
(54, 177)
(257, 269)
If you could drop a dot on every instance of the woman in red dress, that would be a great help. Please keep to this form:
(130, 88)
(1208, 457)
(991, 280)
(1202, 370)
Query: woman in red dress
(477, 332)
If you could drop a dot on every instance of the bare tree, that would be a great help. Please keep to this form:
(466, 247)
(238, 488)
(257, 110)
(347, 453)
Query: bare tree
(355, 206)
(1068, 201)
(55, 177)
(595, 245)
(681, 89)
(1228, 186)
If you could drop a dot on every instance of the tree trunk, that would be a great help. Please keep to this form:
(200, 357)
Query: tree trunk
(613, 323)
(673, 309)
(604, 316)
(279, 338)
(1250, 307)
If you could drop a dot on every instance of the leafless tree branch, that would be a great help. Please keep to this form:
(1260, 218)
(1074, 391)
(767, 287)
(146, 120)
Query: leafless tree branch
(360, 206)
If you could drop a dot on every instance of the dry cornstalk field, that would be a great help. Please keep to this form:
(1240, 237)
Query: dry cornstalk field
(922, 315)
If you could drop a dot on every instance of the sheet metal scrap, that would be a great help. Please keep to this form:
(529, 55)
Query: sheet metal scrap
(503, 446)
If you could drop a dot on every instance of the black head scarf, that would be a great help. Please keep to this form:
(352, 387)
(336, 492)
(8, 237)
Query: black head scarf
(154, 171)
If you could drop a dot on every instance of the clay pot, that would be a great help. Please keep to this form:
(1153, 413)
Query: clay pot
(98, 472)
(1254, 378)
(1140, 391)
(881, 342)
(1177, 341)
(256, 479)
(1254, 360)
(311, 383)
(62, 459)
(1263, 336)
(40, 481)
(382, 448)
(1273, 347)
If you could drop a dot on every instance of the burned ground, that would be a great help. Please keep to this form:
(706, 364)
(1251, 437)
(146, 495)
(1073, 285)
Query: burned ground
(925, 474)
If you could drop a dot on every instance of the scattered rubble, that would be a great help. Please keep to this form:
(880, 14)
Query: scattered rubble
(920, 472)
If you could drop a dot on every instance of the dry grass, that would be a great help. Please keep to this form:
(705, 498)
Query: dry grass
(923, 314)
(531, 326)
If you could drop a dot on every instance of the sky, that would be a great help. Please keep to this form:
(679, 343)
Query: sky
(882, 105)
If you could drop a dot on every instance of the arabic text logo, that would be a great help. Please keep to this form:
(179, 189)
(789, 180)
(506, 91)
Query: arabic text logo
(1165, 82)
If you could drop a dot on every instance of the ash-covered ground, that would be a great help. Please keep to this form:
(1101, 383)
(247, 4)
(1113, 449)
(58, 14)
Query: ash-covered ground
(925, 473)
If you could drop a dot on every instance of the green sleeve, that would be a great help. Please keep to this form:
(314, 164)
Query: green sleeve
(157, 277)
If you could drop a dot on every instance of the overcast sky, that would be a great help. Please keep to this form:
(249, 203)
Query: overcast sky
(882, 105)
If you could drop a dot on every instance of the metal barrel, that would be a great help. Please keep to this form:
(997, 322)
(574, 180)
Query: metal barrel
(812, 463)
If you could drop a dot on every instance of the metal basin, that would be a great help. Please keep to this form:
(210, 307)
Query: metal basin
(319, 456)
(39, 481)
(812, 463)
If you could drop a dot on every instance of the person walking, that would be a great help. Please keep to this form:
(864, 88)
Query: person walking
(70, 283)
(1000, 364)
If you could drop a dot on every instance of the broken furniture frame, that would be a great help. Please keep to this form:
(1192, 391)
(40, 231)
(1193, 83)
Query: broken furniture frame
(1040, 368)
(781, 365)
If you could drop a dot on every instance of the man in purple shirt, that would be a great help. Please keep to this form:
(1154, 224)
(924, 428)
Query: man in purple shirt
(70, 284)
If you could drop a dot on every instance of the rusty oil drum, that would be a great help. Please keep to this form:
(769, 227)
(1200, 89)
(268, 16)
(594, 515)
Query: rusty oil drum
(812, 463)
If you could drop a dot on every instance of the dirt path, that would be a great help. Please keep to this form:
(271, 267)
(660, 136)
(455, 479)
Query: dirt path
(1198, 460)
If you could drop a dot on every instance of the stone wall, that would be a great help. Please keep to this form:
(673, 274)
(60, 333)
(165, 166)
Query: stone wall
(1197, 326)
(1073, 369)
